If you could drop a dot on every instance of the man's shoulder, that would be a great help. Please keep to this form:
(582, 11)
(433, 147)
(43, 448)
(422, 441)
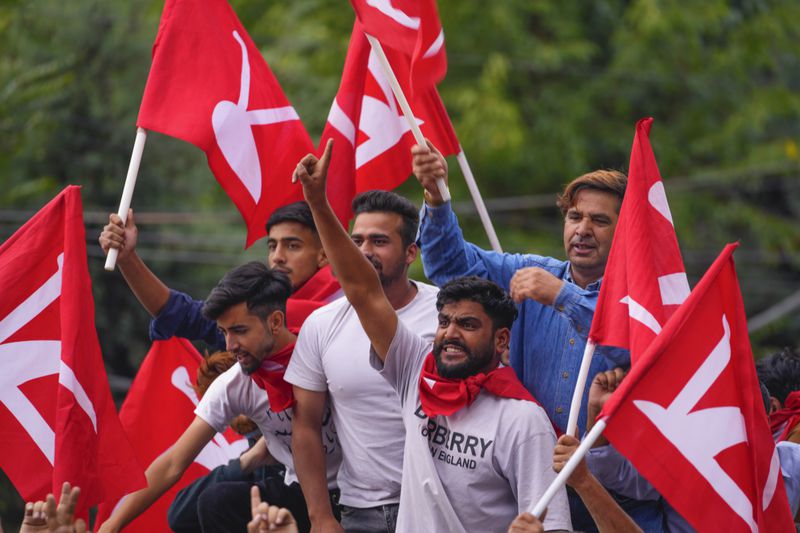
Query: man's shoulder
(328, 312)
(425, 291)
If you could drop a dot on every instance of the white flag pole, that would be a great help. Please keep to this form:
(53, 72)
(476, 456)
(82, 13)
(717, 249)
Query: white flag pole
(478, 200)
(569, 468)
(127, 190)
(580, 386)
(401, 99)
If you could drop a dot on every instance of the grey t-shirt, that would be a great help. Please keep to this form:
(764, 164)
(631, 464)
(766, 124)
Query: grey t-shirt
(477, 469)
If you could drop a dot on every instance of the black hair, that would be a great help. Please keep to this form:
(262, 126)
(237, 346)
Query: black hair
(263, 289)
(494, 300)
(296, 212)
(780, 372)
(389, 202)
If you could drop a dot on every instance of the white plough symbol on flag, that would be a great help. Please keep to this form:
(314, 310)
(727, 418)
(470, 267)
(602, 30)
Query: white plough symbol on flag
(233, 123)
(721, 427)
(27, 360)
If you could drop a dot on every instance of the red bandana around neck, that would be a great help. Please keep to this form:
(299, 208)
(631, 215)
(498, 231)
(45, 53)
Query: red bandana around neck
(788, 417)
(314, 293)
(445, 396)
(269, 377)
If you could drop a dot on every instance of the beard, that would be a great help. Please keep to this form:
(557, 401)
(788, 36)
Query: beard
(390, 274)
(250, 362)
(477, 359)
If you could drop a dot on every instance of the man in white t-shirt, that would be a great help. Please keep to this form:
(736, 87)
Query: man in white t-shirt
(332, 358)
(478, 448)
(249, 306)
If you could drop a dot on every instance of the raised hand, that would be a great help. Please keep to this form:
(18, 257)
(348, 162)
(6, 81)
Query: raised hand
(268, 517)
(54, 518)
(119, 236)
(313, 174)
(428, 165)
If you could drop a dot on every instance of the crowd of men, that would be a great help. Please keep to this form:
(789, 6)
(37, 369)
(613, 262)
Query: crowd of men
(384, 400)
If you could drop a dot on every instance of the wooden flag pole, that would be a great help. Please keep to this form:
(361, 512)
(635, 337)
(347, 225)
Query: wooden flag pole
(580, 386)
(401, 99)
(569, 468)
(127, 190)
(478, 200)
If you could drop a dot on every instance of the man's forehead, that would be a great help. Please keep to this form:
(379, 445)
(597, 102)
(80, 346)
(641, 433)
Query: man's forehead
(291, 231)
(378, 222)
(235, 315)
(462, 308)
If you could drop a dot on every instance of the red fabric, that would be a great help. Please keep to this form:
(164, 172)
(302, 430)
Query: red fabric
(372, 140)
(316, 292)
(787, 418)
(198, 90)
(413, 28)
(644, 263)
(57, 418)
(445, 396)
(270, 378)
(689, 415)
(157, 410)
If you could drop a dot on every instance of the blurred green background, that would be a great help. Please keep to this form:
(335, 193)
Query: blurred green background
(539, 92)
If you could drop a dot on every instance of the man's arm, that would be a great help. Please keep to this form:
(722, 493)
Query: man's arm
(162, 474)
(309, 457)
(607, 514)
(148, 289)
(356, 274)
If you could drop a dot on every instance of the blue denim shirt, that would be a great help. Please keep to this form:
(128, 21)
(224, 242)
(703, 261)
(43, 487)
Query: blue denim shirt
(183, 317)
(547, 342)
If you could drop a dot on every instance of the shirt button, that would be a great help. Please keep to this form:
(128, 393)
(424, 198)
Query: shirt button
(565, 375)
(561, 308)
(572, 342)
(559, 410)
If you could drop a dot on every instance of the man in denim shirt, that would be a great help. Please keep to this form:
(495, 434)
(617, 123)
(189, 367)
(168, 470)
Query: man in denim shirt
(556, 298)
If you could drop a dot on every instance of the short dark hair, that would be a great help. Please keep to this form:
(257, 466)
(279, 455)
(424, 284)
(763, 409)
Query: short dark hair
(265, 290)
(494, 300)
(389, 202)
(609, 181)
(296, 212)
(780, 372)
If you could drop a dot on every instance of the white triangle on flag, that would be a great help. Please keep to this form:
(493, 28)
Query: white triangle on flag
(430, 382)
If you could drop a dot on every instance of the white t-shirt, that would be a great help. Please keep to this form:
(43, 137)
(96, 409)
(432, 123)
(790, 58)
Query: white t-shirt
(477, 469)
(332, 354)
(234, 393)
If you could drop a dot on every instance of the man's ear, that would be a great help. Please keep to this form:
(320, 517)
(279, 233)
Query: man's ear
(275, 321)
(501, 339)
(774, 405)
(411, 253)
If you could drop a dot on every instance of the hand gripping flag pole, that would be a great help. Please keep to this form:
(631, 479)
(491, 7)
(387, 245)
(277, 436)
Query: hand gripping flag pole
(127, 190)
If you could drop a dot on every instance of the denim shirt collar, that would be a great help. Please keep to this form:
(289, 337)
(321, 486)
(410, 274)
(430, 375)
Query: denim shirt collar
(593, 286)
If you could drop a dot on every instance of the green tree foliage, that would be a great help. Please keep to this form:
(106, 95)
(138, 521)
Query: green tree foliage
(539, 92)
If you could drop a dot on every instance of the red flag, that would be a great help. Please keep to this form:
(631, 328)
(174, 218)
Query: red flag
(157, 410)
(210, 86)
(372, 148)
(645, 280)
(413, 28)
(57, 419)
(689, 415)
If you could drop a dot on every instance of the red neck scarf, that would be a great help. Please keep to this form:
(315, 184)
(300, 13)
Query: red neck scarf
(314, 293)
(445, 396)
(788, 417)
(269, 377)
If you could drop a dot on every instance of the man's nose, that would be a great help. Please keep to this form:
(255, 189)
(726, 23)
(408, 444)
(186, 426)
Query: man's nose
(231, 343)
(278, 256)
